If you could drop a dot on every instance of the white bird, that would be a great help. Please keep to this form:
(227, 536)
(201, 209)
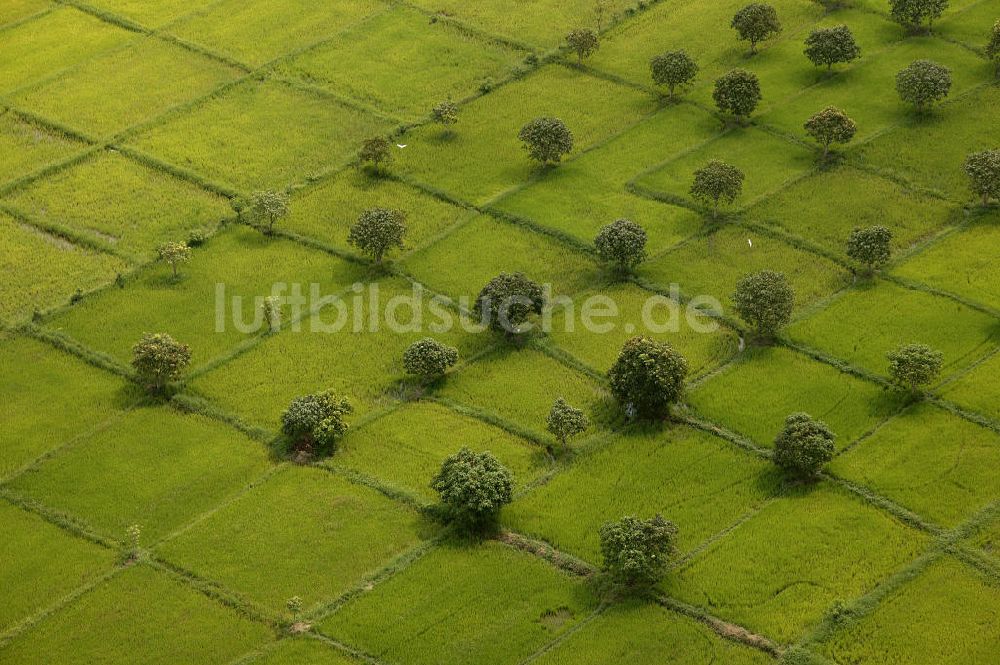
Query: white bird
(749, 243)
(401, 145)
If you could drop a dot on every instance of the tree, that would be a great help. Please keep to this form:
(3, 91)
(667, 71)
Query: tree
(912, 13)
(429, 359)
(755, 23)
(764, 300)
(636, 552)
(507, 300)
(737, 92)
(473, 488)
(871, 246)
(546, 139)
(377, 231)
(829, 46)
(265, 209)
(914, 365)
(159, 359)
(648, 377)
(583, 42)
(831, 125)
(717, 182)
(983, 169)
(804, 446)
(622, 243)
(993, 46)
(445, 113)
(564, 421)
(672, 69)
(271, 310)
(377, 152)
(174, 253)
(315, 423)
(922, 83)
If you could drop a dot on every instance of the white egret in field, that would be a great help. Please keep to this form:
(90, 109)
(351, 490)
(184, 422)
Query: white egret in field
(750, 243)
(401, 145)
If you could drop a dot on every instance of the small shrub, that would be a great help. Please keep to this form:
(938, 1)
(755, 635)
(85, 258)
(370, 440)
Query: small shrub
(445, 113)
(648, 377)
(870, 246)
(914, 366)
(637, 552)
(473, 488)
(831, 125)
(376, 152)
(717, 182)
(377, 231)
(803, 447)
(133, 549)
(993, 46)
(159, 359)
(507, 301)
(429, 359)
(315, 423)
(672, 69)
(983, 169)
(764, 300)
(583, 42)
(174, 253)
(294, 606)
(271, 308)
(265, 209)
(830, 46)
(565, 422)
(923, 83)
(737, 92)
(546, 139)
(755, 23)
(197, 238)
(621, 244)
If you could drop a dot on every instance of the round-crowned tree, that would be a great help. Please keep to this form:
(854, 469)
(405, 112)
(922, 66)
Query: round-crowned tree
(376, 152)
(546, 139)
(737, 92)
(983, 169)
(429, 359)
(174, 253)
(507, 301)
(262, 210)
(764, 300)
(377, 231)
(923, 83)
(715, 183)
(159, 359)
(672, 69)
(315, 423)
(804, 446)
(993, 45)
(914, 366)
(583, 42)
(637, 552)
(445, 113)
(912, 14)
(565, 421)
(829, 46)
(648, 377)
(870, 247)
(755, 23)
(473, 488)
(621, 244)
(831, 125)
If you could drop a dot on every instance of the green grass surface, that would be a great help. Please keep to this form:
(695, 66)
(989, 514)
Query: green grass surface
(144, 12)
(978, 389)
(316, 536)
(303, 651)
(19, 10)
(25, 147)
(443, 608)
(970, 26)
(987, 538)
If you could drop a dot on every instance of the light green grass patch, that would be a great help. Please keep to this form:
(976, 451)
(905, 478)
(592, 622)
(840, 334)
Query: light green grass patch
(987, 538)
(114, 91)
(41, 270)
(701, 483)
(970, 26)
(862, 200)
(778, 572)
(146, 13)
(258, 31)
(405, 449)
(755, 394)
(872, 319)
(302, 651)
(41, 564)
(464, 604)
(713, 265)
(461, 264)
(978, 389)
(403, 63)
(60, 39)
(89, 197)
(247, 265)
(328, 210)
(261, 134)
(18, 10)
(154, 467)
(303, 532)
(953, 7)
(142, 616)
(934, 463)
(929, 621)
(645, 634)
(25, 147)
(483, 157)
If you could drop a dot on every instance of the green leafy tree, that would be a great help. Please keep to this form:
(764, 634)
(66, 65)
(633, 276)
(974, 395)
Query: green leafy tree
(429, 359)
(756, 22)
(622, 244)
(911, 14)
(315, 423)
(294, 606)
(445, 113)
(831, 125)
(583, 42)
(672, 69)
(804, 446)
(993, 46)
(870, 246)
(546, 139)
(133, 547)
(923, 83)
(914, 366)
(507, 301)
(764, 300)
(737, 92)
(829, 46)
(983, 169)
(648, 377)
(473, 488)
(565, 421)
(377, 152)
(262, 210)
(159, 359)
(715, 183)
(174, 253)
(377, 231)
(637, 552)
